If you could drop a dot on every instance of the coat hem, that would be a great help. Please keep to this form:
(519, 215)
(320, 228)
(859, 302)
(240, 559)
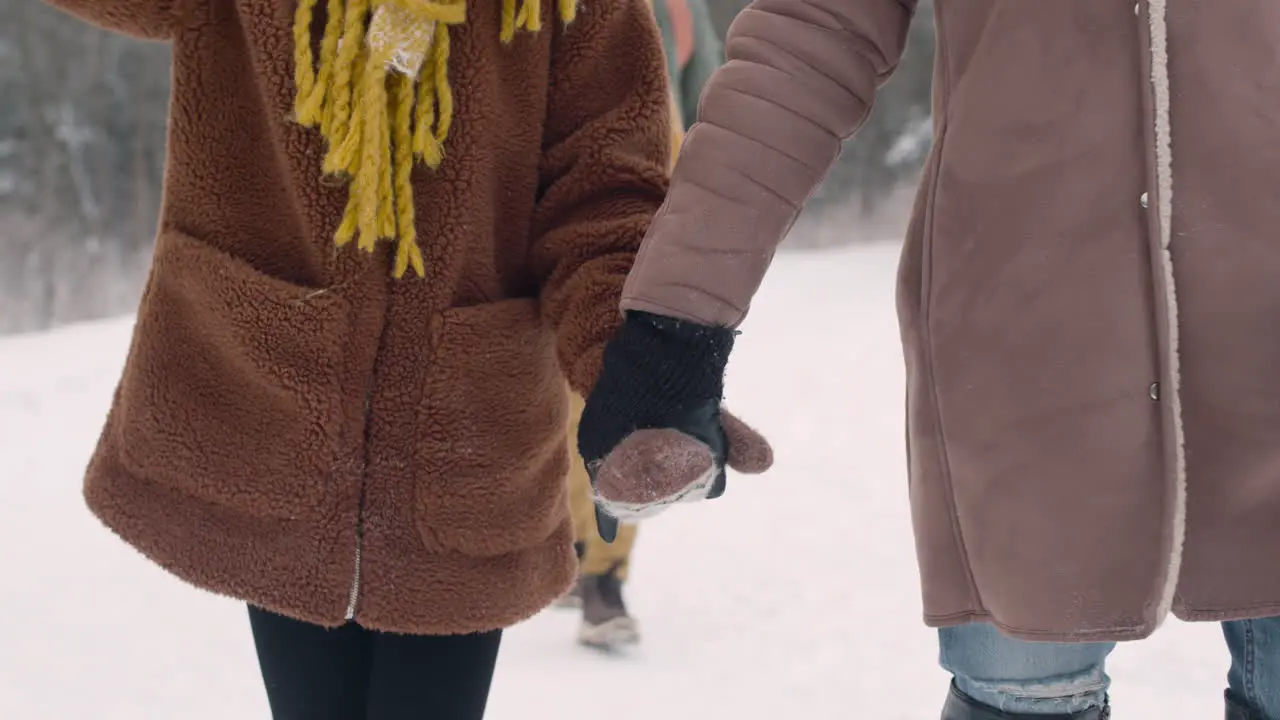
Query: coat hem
(1185, 613)
(503, 607)
(221, 550)
(1114, 634)
(1248, 612)
(256, 561)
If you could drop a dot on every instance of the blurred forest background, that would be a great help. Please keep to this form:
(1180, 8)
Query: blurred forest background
(82, 133)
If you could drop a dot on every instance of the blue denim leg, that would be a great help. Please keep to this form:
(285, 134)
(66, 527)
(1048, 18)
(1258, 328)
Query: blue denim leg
(1255, 663)
(1018, 676)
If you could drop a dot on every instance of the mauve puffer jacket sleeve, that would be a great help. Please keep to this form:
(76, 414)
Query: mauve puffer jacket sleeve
(800, 78)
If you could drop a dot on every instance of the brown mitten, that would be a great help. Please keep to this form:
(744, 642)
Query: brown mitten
(652, 469)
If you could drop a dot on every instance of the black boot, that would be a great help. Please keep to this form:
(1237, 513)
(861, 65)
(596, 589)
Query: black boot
(962, 707)
(1238, 709)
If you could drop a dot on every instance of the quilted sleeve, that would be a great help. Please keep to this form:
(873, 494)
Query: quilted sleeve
(800, 78)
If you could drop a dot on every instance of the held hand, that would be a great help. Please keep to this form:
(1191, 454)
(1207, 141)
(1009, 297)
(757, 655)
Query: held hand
(653, 433)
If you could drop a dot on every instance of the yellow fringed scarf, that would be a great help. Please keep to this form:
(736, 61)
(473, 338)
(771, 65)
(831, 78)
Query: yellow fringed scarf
(381, 98)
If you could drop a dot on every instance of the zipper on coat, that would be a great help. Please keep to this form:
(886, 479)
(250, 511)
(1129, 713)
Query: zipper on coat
(353, 597)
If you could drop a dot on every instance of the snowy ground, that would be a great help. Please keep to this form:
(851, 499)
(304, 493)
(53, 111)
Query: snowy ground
(792, 597)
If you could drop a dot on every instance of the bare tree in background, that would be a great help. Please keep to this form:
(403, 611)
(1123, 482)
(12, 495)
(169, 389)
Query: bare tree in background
(82, 132)
(81, 147)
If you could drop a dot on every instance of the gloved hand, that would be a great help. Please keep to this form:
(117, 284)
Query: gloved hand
(653, 433)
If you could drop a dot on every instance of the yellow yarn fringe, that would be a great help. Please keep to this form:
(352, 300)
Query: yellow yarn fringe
(376, 119)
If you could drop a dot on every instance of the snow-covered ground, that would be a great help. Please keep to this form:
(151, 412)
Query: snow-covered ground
(794, 596)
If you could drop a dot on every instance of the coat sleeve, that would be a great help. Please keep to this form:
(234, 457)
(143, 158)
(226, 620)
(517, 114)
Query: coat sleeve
(144, 19)
(800, 78)
(603, 174)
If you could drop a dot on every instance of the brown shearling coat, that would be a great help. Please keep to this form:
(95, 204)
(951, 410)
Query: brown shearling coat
(1089, 290)
(299, 430)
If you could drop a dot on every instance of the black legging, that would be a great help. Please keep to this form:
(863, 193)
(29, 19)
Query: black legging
(352, 673)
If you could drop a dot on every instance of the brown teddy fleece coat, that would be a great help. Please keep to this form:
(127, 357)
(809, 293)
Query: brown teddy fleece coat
(296, 428)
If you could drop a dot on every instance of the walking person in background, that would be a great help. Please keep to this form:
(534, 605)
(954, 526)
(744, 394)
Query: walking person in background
(1089, 307)
(364, 441)
(693, 51)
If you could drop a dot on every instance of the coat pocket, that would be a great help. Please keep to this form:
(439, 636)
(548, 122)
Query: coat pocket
(492, 432)
(231, 391)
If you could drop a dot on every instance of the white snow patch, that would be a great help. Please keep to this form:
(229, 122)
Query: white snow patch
(794, 596)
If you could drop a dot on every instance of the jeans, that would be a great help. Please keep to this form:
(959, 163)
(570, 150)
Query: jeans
(1036, 678)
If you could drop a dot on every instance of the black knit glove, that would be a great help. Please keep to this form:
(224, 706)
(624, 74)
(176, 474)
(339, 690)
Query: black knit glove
(653, 432)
